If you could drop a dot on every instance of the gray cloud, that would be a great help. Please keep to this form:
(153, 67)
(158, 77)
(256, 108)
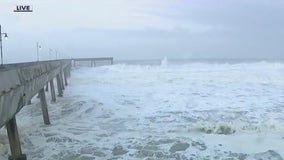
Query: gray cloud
(144, 30)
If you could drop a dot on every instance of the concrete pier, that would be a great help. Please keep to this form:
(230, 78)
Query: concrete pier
(19, 83)
(106, 60)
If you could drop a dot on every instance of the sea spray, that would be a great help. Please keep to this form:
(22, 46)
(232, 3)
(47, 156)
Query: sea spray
(164, 62)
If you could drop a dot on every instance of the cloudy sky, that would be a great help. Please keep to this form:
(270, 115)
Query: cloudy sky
(144, 29)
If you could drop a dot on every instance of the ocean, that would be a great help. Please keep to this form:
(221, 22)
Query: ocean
(161, 109)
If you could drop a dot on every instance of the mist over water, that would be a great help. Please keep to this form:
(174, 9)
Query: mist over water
(161, 109)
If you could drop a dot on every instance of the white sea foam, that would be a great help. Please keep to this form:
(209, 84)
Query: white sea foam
(152, 111)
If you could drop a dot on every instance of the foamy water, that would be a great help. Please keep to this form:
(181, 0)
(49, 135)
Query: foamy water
(188, 111)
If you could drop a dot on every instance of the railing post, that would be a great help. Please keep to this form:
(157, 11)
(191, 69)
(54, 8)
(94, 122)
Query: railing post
(52, 91)
(14, 140)
(44, 106)
(59, 88)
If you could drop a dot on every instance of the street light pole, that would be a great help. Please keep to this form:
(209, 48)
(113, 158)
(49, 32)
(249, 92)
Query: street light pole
(50, 52)
(37, 51)
(6, 36)
(38, 47)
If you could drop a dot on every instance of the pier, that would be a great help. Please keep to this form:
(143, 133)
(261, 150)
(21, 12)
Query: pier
(20, 82)
(93, 61)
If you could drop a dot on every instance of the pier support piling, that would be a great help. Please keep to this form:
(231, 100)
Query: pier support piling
(61, 81)
(29, 102)
(14, 140)
(65, 77)
(69, 72)
(44, 106)
(59, 88)
(46, 88)
(52, 91)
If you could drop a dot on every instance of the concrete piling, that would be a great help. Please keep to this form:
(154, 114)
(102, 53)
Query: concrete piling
(59, 88)
(65, 77)
(52, 91)
(44, 106)
(29, 102)
(46, 87)
(14, 140)
(74, 63)
(61, 81)
(93, 63)
(69, 72)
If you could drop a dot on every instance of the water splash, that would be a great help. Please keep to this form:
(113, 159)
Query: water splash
(164, 62)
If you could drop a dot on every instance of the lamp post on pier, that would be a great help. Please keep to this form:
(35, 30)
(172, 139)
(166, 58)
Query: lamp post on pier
(56, 53)
(38, 47)
(5, 36)
(50, 52)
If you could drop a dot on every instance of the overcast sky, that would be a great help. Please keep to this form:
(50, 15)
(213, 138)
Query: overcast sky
(144, 29)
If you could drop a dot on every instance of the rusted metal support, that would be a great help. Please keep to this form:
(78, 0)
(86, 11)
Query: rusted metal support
(52, 91)
(14, 140)
(44, 106)
(59, 88)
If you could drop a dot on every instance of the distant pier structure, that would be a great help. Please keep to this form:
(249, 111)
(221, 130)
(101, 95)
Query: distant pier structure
(19, 83)
(93, 62)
